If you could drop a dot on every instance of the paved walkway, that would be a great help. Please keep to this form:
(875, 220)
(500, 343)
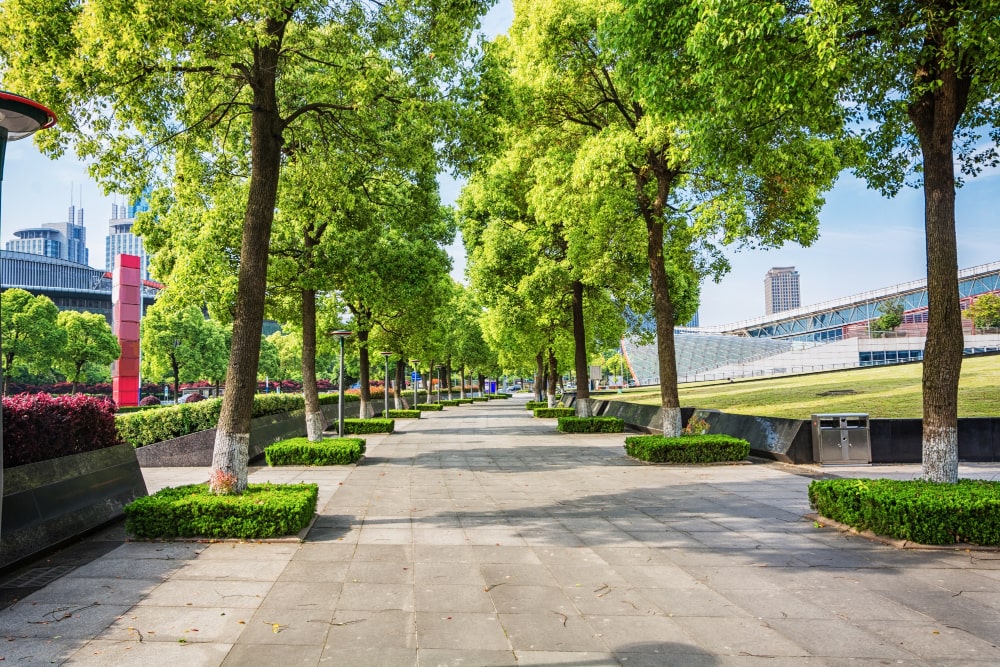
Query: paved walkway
(479, 536)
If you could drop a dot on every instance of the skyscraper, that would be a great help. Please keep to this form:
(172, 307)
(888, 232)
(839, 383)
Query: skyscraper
(781, 289)
(58, 240)
(120, 239)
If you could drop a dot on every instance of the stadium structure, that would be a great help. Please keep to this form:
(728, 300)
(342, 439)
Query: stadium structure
(827, 336)
(70, 285)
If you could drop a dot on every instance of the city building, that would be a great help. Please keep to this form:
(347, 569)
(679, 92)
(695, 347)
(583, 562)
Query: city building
(120, 239)
(58, 240)
(781, 289)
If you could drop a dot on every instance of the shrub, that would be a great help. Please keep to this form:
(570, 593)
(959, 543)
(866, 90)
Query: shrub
(429, 407)
(531, 405)
(39, 427)
(403, 414)
(194, 398)
(497, 396)
(591, 425)
(480, 399)
(263, 510)
(696, 426)
(464, 401)
(451, 403)
(915, 510)
(362, 426)
(302, 452)
(687, 448)
(149, 400)
(555, 412)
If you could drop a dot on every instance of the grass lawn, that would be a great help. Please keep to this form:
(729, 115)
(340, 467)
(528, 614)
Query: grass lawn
(883, 392)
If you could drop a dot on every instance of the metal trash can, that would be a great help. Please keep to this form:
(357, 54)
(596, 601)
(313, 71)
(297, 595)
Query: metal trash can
(841, 439)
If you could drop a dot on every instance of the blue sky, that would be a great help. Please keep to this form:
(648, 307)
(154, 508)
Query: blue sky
(866, 241)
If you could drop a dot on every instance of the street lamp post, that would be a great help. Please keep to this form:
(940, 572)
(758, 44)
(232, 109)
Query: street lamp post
(416, 375)
(340, 335)
(386, 355)
(19, 118)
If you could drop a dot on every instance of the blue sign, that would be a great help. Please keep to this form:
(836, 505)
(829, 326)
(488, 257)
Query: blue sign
(415, 376)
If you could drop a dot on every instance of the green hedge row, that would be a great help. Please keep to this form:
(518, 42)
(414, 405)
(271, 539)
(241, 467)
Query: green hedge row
(491, 396)
(532, 405)
(710, 448)
(915, 510)
(450, 402)
(464, 401)
(429, 407)
(555, 412)
(403, 414)
(363, 426)
(480, 399)
(263, 510)
(591, 425)
(327, 452)
(148, 426)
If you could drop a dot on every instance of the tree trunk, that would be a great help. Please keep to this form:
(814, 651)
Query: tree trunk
(935, 116)
(232, 437)
(553, 378)
(482, 384)
(461, 378)
(580, 353)
(397, 391)
(447, 368)
(539, 378)
(364, 371)
(177, 380)
(315, 423)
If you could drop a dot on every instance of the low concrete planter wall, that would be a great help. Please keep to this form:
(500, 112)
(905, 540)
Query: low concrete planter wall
(48, 502)
(900, 440)
(195, 449)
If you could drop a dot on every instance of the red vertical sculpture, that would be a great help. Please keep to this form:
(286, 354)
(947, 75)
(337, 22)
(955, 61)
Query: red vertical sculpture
(126, 299)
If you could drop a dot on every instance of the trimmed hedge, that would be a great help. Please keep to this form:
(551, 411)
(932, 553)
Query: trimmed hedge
(263, 510)
(480, 399)
(532, 405)
(403, 414)
(429, 407)
(450, 402)
(591, 425)
(914, 510)
(148, 426)
(362, 426)
(39, 427)
(327, 452)
(492, 396)
(464, 401)
(710, 448)
(555, 412)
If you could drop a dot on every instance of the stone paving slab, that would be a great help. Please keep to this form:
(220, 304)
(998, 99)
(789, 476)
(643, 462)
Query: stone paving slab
(481, 536)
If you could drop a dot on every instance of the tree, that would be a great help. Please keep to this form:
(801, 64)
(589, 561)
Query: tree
(657, 154)
(919, 81)
(892, 315)
(210, 92)
(89, 342)
(31, 335)
(985, 311)
(172, 341)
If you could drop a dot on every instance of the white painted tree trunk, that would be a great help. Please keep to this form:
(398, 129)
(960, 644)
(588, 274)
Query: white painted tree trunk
(940, 455)
(230, 457)
(552, 400)
(314, 426)
(367, 410)
(672, 424)
(583, 408)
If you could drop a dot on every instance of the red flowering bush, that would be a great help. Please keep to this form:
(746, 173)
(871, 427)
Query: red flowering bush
(38, 427)
(149, 400)
(194, 398)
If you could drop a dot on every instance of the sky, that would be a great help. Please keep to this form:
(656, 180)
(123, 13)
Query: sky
(866, 241)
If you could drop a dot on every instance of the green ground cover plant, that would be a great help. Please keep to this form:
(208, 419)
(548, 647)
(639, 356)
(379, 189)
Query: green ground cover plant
(429, 407)
(480, 399)
(551, 413)
(591, 425)
(915, 510)
(262, 511)
(491, 396)
(327, 452)
(375, 425)
(403, 414)
(708, 448)
(888, 392)
(450, 402)
(531, 405)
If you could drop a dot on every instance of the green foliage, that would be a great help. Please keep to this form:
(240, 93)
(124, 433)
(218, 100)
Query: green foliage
(262, 511)
(174, 343)
(554, 412)
(985, 311)
(89, 342)
(914, 510)
(891, 317)
(303, 452)
(687, 448)
(450, 403)
(362, 426)
(494, 396)
(429, 407)
(591, 425)
(531, 405)
(696, 426)
(31, 336)
(403, 414)
(480, 399)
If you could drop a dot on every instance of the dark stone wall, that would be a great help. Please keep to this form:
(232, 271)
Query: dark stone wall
(899, 440)
(48, 502)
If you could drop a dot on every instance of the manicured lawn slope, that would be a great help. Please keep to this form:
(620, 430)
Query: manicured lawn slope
(884, 392)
